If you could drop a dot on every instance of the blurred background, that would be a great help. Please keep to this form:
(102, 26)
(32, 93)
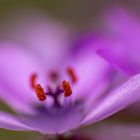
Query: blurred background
(77, 15)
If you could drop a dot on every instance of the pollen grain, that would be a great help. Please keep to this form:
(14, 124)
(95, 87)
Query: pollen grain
(40, 93)
(66, 88)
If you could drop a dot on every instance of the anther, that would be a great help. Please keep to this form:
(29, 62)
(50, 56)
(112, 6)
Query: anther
(72, 74)
(66, 88)
(40, 92)
(33, 80)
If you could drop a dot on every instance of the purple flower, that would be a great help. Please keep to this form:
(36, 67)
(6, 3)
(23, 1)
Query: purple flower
(54, 89)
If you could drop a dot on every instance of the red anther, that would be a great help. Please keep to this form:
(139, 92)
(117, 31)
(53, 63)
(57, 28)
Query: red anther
(72, 74)
(67, 88)
(33, 80)
(40, 93)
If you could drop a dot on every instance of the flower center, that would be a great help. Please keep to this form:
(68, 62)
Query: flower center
(64, 86)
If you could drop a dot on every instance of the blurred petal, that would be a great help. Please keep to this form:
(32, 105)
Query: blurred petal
(54, 121)
(47, 37)
(119, 54)
(17, 65)
(121, 46)
(118, 99)
(92, 73)
(11, 122)
(123, 23)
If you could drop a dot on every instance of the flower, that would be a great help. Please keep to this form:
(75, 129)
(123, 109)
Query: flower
(34, 96)
(54, 94)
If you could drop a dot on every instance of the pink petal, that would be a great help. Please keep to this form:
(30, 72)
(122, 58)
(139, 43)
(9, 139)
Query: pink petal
(11, 122)
(118, 99)
(93, 73)
(47, 37)
(55, 121)
(120, 45)
(123, 23)
(17, 65)
(114, 51)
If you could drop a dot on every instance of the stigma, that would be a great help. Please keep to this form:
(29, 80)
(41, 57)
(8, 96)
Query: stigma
(64, 86)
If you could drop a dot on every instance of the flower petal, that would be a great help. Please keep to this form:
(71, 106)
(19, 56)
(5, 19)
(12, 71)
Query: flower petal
(47, 37)
(123, 23)
(118, 99)
(92, 72)
(120, 44)
(17, 65)
(8, 121)
(54, 121)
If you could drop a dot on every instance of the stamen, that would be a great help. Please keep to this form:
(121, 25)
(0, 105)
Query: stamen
(67, 88)
(33, 80)
(40, 92)
(72, 74)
